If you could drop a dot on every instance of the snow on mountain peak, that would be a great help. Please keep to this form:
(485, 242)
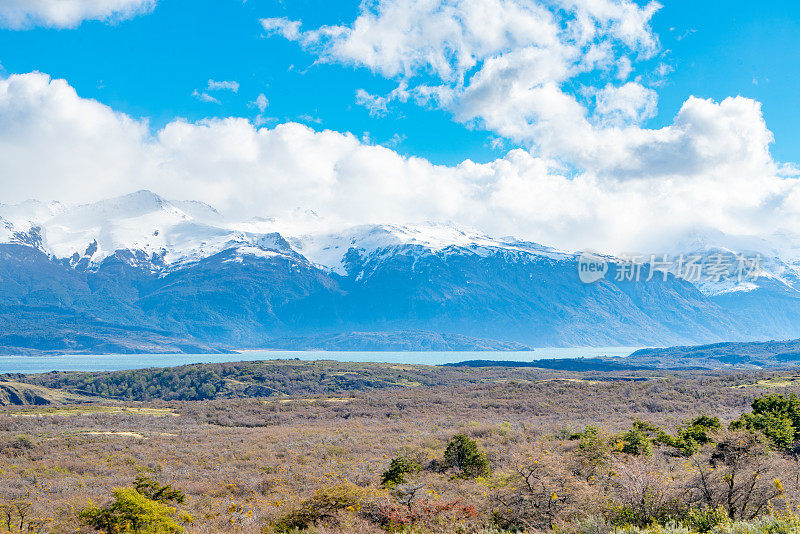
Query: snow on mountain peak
(329, 250)
(157, 233)
(169, 232)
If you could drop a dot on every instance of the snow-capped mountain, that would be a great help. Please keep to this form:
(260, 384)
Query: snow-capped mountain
(374, 243)
(148, 230)
(170, 234)
(763, 261)
(139, 272)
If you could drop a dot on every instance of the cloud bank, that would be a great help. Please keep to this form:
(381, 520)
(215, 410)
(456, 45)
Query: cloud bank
(24, 14)
(711, 169)
(503, 65)
(552, 76)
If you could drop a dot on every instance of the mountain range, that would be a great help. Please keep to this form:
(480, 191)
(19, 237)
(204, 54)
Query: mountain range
(140, 273)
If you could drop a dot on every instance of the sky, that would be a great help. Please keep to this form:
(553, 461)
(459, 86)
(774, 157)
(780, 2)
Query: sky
(610, 124)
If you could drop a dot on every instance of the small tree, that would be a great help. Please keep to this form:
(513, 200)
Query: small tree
(155, 491)
(130, 511)
(639, 439)
(399, 467)
(541, 492)
(16, 516)
(324, 505)
(691, 436)
(643, 492)
(775, 416)
(463, 454)
(593, 453)
(740, 474)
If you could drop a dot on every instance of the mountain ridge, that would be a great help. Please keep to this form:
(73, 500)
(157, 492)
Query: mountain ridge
(182, 269)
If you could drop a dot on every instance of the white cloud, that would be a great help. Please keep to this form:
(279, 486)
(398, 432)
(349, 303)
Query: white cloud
(261, 102)
(57, 145)
(289, 29)
(506, 66)
(205, 97)
(512, 67)
(377, 105)
(406, 36)
(23, 14)
(624, 68)
(627, 104)
(223, 86)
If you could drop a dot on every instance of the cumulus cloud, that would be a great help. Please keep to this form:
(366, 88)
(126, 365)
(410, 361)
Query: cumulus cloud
(56, 145)
(512, 66)
(23, 14)
(630, 103)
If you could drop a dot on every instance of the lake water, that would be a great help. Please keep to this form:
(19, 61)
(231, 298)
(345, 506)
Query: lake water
(118, 362)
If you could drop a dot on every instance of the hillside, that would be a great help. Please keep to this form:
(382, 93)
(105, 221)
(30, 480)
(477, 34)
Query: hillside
(721, 355)
(13, 393)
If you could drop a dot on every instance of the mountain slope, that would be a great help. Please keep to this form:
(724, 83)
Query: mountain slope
(140, 272)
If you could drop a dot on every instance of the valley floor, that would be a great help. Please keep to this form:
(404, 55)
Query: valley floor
(250, 465)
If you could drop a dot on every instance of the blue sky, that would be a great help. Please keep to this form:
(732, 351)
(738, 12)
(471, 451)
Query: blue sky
(609, 124)
(150, 65)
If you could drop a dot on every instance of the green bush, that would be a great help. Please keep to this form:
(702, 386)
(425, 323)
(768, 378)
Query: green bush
(399, 467)
(695, 434)
(775, 416)
(130, 511)
(324, 505)
(155, 491)
(638, 441)
(463, 454)
(704, 520)
(771, 524)
(593, 451)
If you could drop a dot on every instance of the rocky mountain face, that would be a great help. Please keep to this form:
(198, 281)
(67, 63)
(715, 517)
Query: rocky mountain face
(142, 274)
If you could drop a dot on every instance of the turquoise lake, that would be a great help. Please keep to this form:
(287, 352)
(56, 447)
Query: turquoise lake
(117, 362)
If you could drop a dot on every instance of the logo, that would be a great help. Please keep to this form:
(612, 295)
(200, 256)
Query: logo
(591, 267)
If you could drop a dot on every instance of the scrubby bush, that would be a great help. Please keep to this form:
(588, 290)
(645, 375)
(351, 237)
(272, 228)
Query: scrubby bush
(399, 468)
(639, 439)
(130, 511)
(691, 436)
(593, 453)
(427, 516)
(155, 491)
(775, 523)
(697, 433)
(323, 506)
(704, 520)
(776, 416)
(541, 492)
(464, 455)
(17, 516)
(740, 474)
(642, 491)
(16, 445)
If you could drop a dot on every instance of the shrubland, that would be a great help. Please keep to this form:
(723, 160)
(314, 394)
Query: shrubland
(410, 449)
